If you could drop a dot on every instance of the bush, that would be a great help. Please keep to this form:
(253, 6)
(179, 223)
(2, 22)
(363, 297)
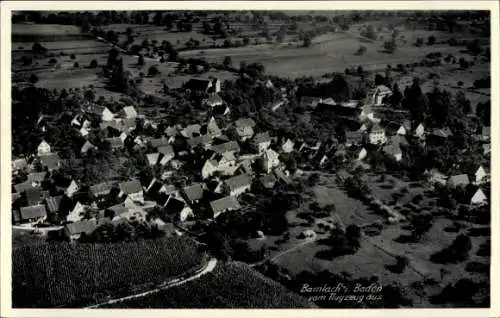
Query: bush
(153, 71)
(93, 64)
(140, 60)
(52, 61)
(457, 252)
(33, 79)
(76, 65)
(72, 56)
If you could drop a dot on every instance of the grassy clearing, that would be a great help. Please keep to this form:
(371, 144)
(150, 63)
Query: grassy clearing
(331, 52)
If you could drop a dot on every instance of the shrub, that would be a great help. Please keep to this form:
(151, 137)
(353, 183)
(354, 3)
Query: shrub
(93, 64)
(76, 65)
(457, 252)
(153, 71)
(72, 56)
(33, 79)
(52, 61)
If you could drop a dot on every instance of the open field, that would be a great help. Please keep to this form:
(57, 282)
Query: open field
(234, 285)
(329, 53)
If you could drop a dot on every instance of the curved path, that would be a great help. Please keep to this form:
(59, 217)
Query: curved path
(210, 266)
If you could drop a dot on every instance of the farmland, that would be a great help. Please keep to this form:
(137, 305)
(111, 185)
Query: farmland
(234, 285)
(378, 252)
(63, 274)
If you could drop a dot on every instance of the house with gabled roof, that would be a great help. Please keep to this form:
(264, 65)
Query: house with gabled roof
(19, 164)
(378, 95)
(152, 158)
(193, 193)
(178, 209)
(224, 204)
(458, 180)
(133, 189)
(34, 196)
(353, 138)
(419, 131)
(479, 198)
(270, 160)
(436, 177)
(212, 128)
(72, 189)
(230, 146)
(115, 143)
(77, 213)
(288, 146)
(32, 213)
(191, 131)
(268, 181)
(243, 128)
(129, 112)
(101, 112)
(480, 175)
(376, 134)
(167, 154)
(115, 210)
(43, 148)
(485, 133)
(261, 142)
(212, 100)
(237, 185)
(86, 147)
(393, 151)
(50, 161)
(23, 186)
(75, 230)
(203, 85)
(486, 149)
(171, 131)
(158, 142)
(53, 204)
(204, 141)
(394, 128)
(101, 189)
(37, 177)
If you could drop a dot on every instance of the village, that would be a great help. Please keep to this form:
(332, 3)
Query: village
(227, 170)
(177, 159)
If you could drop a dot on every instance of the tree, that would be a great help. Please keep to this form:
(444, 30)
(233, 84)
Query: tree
(93, 63)
(246, 41)
(72, 56)
(37, 48)
(361, 50)
(390, 46)
(463, 103)
(33, 79)
(463, 63)
(307, 41)
(227, 61)
(431, 40)
(140, 60)
(112, 58)
(360, 70)
(457, 252)
(76, 65)
(396, 96)
(153, 70)
(483, 111)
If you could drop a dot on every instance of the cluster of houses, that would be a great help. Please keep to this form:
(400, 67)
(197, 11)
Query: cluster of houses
(230, 160)
(225, 172)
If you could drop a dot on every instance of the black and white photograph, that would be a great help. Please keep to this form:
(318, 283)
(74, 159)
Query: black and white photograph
(250, 158)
